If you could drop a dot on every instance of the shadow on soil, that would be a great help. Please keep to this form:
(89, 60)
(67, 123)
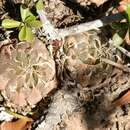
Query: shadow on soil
(97, 115)
(90, 11)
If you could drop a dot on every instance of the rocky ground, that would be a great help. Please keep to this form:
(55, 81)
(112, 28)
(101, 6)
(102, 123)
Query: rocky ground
(73, 83)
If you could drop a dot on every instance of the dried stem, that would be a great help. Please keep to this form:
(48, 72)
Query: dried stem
(90, 25)
(54, 33)
(120, 66)
(15, 114)
(124, 51)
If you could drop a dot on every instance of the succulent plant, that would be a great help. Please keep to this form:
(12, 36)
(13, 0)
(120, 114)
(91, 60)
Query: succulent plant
(28, 77)
(84, 53)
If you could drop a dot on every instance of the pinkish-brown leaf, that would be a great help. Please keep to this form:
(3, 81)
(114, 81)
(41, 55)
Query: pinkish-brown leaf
(19, 99)
(34, 97)
(3, 82)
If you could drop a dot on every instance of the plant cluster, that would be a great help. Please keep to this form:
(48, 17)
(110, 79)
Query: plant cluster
(26, 25)
(27, 75)
(123, 28)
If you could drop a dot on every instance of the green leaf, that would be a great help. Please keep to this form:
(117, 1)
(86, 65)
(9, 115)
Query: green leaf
(39, 5)
(35, 78)
(29, 36)
(120, 26)
(30, 19)
(118, 38)
(25, 12)
(8, 23)
(22, 33)
(35, 24)
(127, 37)
(128, 12)
(25, 34)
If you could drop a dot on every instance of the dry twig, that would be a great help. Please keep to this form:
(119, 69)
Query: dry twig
(124, 51)
(54, 33)
(120, 66)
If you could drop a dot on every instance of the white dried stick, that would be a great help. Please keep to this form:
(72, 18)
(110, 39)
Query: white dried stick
(53, 33)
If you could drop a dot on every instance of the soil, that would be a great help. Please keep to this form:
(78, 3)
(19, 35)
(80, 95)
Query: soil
(80, 92)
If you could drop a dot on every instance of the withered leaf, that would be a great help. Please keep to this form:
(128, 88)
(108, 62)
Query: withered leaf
(124, 100)
(20, 124)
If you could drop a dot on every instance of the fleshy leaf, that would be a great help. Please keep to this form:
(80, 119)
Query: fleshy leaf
(128, 12)
(34, 97)
(22, 33)
(29, 35)
(39, 5)
(118, 38)
(25, 34)
(3, 82)
(25, 12)
(35, 24)
(120, 26)
(30, 19)
(19, 99)
(8, 23)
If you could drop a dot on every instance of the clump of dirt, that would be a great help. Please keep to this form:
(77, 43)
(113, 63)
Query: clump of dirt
(59, 14)
(63, 13)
